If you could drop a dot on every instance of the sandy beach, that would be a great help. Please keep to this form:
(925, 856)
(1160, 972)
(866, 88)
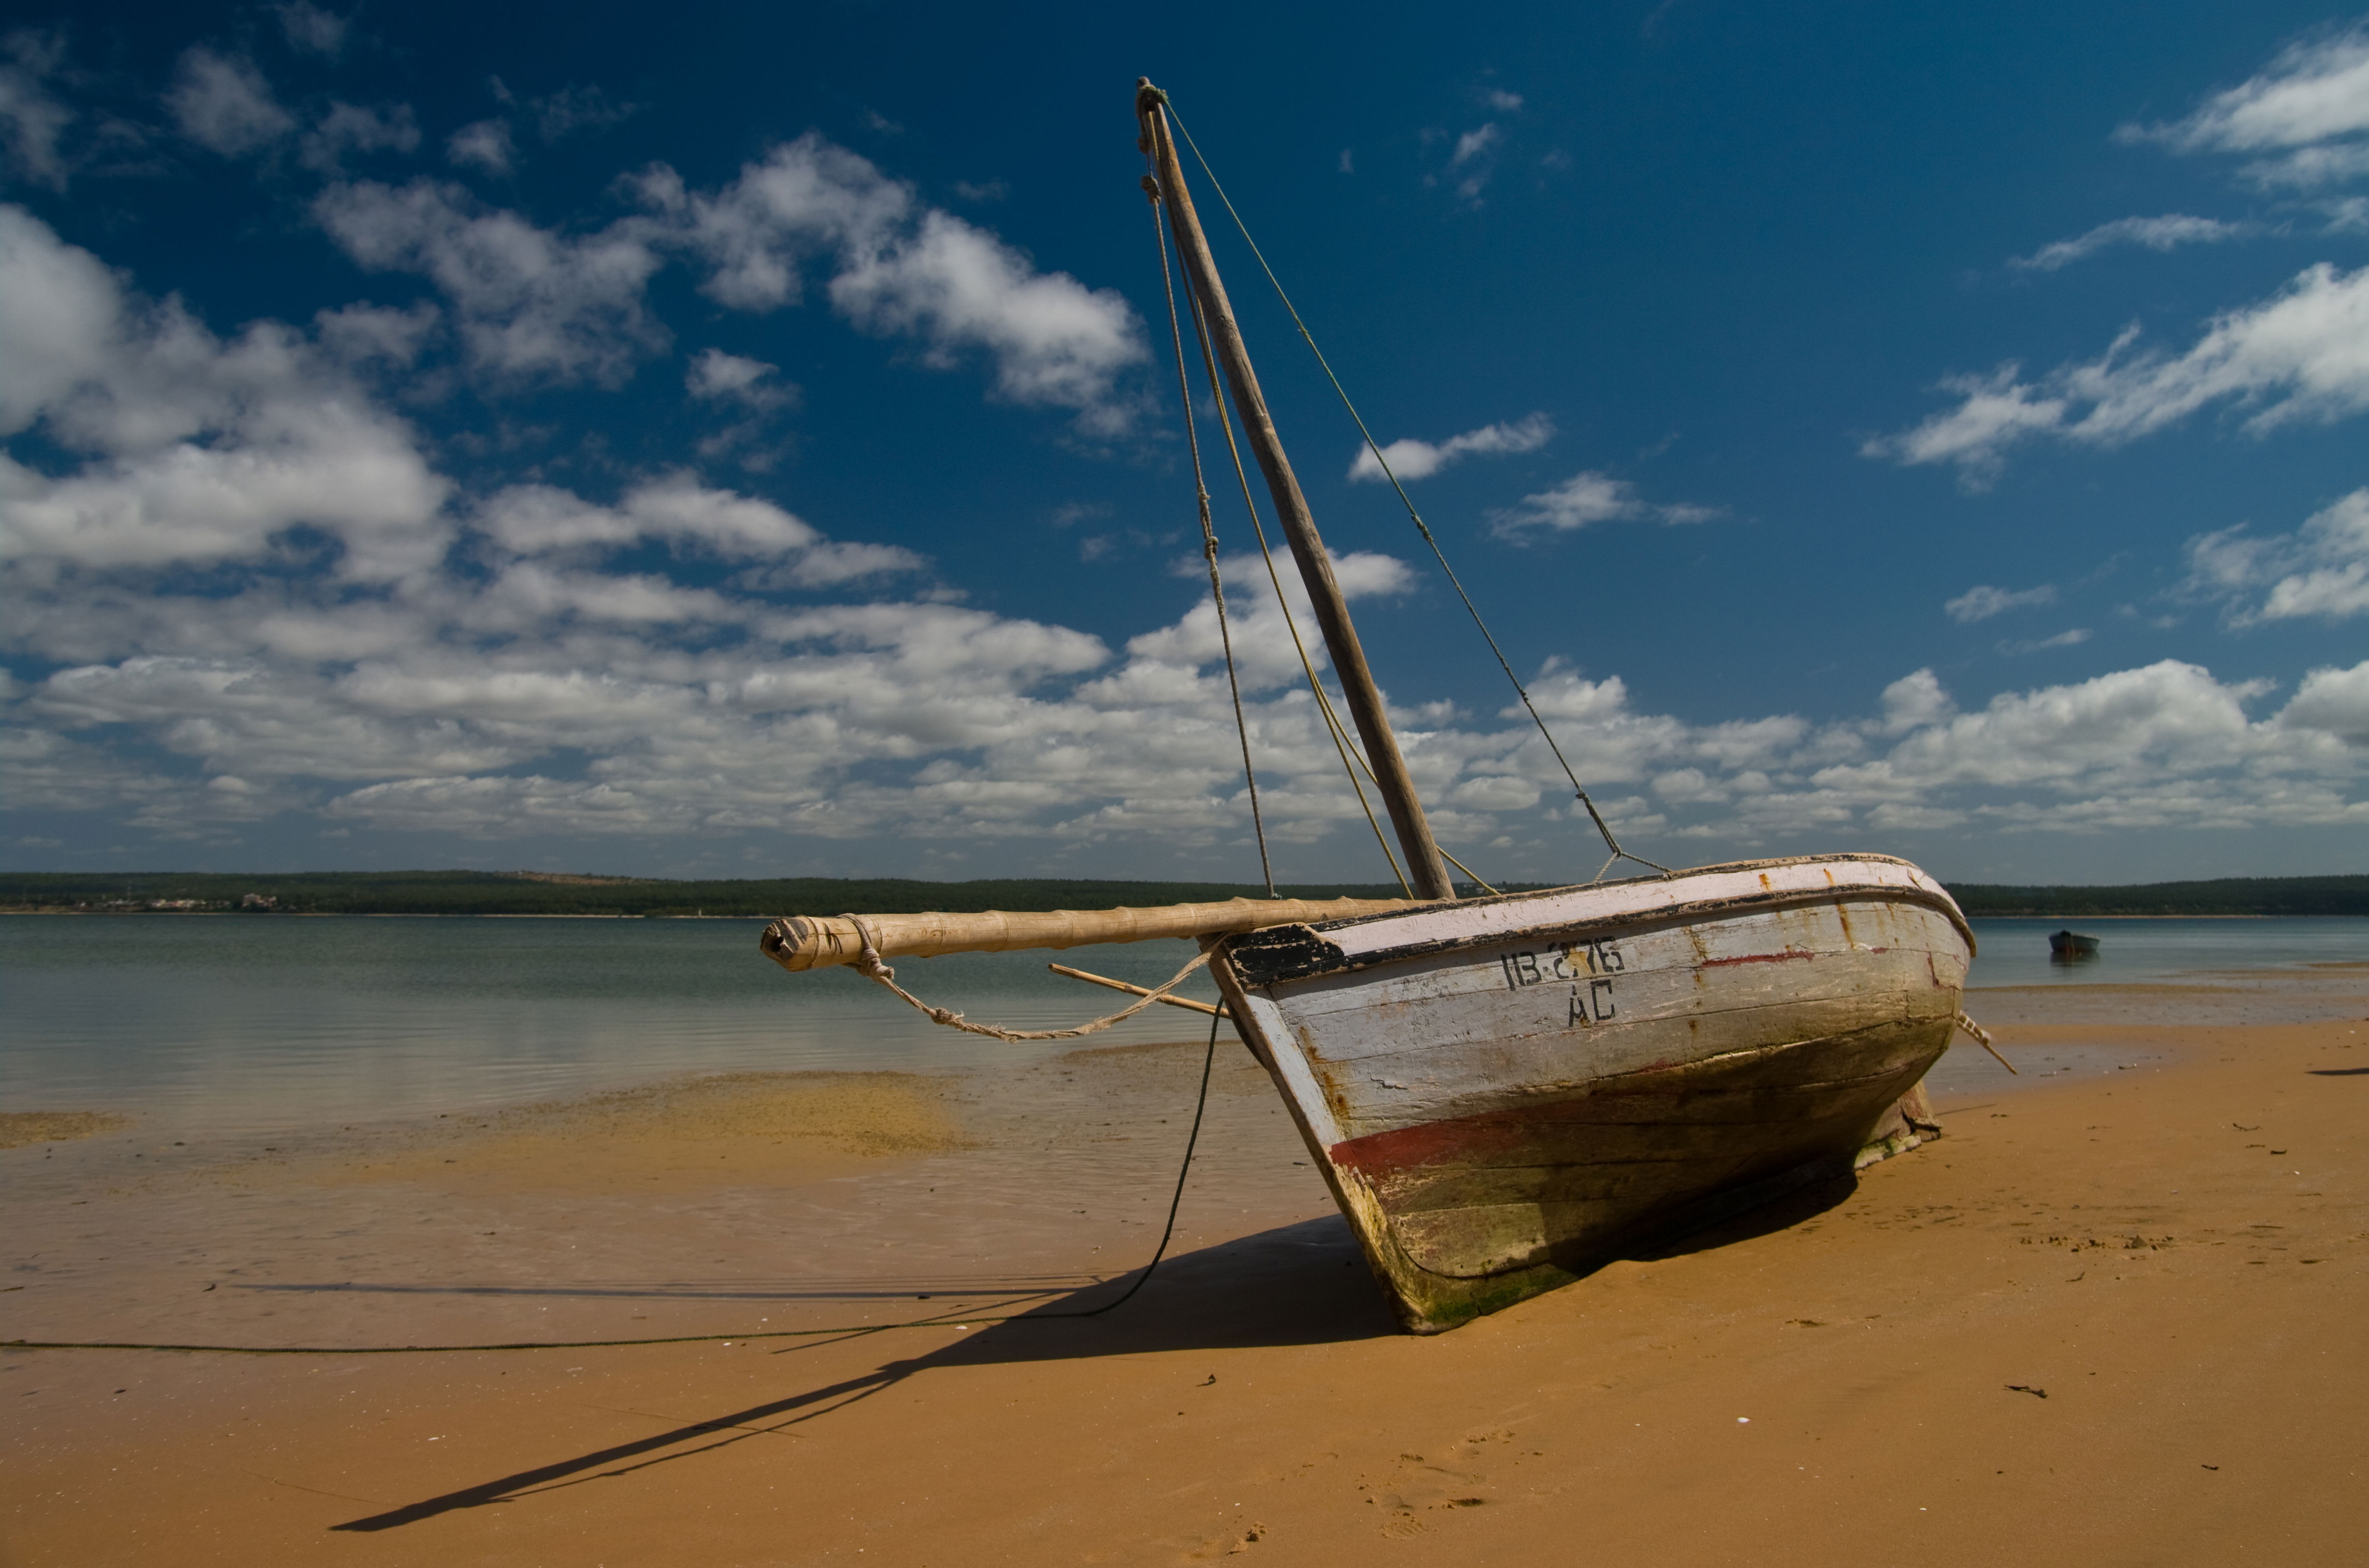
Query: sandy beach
(2115, 1315)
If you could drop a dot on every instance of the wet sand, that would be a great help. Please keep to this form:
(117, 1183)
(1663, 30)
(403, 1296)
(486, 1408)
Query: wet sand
(2114, 1315)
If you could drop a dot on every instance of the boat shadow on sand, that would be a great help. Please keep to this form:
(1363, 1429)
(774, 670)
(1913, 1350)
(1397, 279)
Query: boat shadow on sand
(1301, 1284)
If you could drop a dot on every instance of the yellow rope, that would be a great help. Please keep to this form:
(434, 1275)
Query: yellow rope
(869, 965)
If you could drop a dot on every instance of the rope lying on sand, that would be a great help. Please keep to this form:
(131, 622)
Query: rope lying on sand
(1176, 1201)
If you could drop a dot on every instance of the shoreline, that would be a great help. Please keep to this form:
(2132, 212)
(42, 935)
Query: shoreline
(2107, 1316)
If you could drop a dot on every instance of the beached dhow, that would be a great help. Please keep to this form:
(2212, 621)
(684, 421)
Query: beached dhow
(1503, 1091)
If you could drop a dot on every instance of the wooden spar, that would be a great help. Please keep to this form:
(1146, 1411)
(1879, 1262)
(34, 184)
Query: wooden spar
(812, 942)
(1184, 1001)
(1426, 872)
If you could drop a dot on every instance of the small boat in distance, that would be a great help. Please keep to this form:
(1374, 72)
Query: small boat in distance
(2066, 946)
(1504, 1092)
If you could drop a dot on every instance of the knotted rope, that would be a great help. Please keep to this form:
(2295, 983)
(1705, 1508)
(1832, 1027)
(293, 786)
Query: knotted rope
(1983, 1039)
(868, 964)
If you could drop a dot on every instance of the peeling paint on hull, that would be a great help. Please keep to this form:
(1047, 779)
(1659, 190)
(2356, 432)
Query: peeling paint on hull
(1503, 1092)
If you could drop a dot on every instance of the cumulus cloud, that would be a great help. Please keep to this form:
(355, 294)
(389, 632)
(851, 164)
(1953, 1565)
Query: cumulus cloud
(199, 450)
(312, 29)
(1473, 143)
(1473, 160)
(1915, 701)
(483, 144)
(242, 591)
(2304, 118)
(2166, 233)
(542, 305)
(33, 120)
(1983, 601)
(352, 128)
(1591, 495)
(222, 102)
(2074, 637)
(1411, 460)
(2321, 570)
(2332, 702)
(718, 377)
(900, 267)
(2302, 354)
(531, 305)
(578, 108)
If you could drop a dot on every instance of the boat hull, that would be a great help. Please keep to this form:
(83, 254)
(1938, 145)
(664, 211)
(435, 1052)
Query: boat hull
(1503, 1092)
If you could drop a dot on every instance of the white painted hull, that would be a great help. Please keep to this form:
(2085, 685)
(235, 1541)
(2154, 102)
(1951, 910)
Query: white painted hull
(1504, 1091)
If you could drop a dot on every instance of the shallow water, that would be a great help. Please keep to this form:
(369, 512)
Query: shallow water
(2143, 952)
(235, 1023)
(232, 1024)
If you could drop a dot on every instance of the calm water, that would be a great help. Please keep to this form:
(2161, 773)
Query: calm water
(230, 1025)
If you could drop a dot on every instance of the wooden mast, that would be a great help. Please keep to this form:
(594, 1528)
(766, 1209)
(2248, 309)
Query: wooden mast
(1425, 871)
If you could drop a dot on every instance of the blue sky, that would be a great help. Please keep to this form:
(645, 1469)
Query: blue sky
(699, 442)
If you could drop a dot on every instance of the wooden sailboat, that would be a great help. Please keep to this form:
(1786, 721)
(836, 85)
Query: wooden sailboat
(1504, 1091)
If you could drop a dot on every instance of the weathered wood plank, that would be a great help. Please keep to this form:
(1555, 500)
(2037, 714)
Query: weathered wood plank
(1497, 1104)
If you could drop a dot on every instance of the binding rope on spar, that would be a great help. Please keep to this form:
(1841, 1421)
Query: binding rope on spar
(869, 964)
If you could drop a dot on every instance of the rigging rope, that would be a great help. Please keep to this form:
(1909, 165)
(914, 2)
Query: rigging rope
(1209, 534)
(1324, 704)
(1602, 828)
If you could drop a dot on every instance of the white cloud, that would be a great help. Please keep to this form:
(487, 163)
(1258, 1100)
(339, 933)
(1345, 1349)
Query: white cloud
(901, 268)
(58, 314)
(350, 128)
(2301, 354)
(1591, 495)
(32, 119)
(1983, 601)
(2332, 702)
(2073, 638)
(1474, 142)
(484, 144)
(1411, 460)
(362, 333)
(531, 305)
(530, 519)
(201, 450)
(2166, 233)
(959, 288)
(240, 591)
(310, 28)
(1915, 701)
(1503, 101)
(1474, 160)
(716, 376)
(2321, 570)
(222, 102)
(574, 109)
(536, 305)
(2309, 111)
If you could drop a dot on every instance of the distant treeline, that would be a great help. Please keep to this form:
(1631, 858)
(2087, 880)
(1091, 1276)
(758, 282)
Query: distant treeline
(2225, 896)
(539, 893)
(536, 893)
